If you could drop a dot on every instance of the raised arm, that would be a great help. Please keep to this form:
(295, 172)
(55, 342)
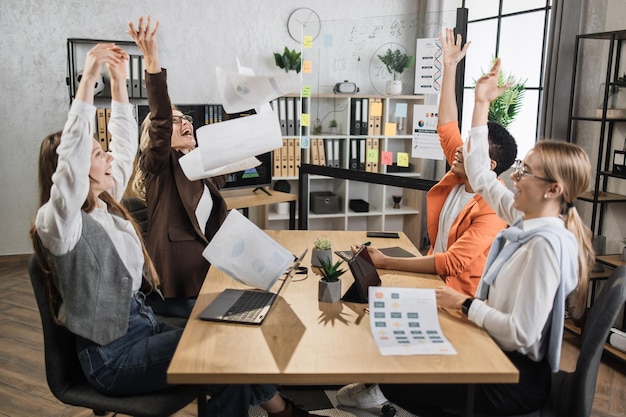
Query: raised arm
(452, 55)
(146, 39)
(123, 128)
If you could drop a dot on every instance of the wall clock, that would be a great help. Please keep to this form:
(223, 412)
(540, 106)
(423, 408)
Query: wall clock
(302, 22)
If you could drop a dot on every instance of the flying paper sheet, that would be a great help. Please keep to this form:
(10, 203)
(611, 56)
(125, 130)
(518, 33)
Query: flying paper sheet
(244, 91)
(234, 140)
(192, 166)
(246, 253)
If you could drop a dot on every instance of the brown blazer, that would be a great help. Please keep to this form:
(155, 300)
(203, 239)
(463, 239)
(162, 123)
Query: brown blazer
(174, 240)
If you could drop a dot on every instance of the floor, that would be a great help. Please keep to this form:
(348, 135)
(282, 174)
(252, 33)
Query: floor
(24, 392)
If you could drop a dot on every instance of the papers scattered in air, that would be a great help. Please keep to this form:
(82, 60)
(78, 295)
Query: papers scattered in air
(404, 321)
(230, 146)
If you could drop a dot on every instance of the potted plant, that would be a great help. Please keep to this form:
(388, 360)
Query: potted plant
(329, 284)
(333, 126)
(396, 62)
(321, 251)
(289, 60)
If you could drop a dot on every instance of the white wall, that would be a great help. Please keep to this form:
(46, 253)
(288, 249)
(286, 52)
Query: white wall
(196, 35)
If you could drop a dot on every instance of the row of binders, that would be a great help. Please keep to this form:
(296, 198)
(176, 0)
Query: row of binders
(287, 160)
(102, 131)
(363, 153)
(289, 111)
(366, 116)
(136, 82)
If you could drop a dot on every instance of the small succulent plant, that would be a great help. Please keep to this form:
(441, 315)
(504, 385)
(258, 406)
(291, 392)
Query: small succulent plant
(331, 272)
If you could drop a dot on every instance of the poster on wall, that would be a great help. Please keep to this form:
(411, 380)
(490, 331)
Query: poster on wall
(425, 141)
(428, 66)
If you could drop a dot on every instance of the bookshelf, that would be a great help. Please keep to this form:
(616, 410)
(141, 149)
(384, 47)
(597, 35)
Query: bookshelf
(361, 135)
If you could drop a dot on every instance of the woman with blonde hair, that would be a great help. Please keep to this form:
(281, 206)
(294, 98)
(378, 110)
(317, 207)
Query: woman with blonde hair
(536, 270)
(183, 215)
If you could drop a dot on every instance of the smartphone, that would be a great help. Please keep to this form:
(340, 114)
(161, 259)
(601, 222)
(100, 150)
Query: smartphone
(390, 235)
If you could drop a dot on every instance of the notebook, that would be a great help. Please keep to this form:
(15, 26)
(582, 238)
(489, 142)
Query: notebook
(364, 273)
(247, 306)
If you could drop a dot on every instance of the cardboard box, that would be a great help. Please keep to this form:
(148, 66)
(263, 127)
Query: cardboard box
(324, 202)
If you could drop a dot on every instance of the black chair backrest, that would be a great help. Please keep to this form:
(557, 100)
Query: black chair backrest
(63, 370)
(138, 209)
(601, 317)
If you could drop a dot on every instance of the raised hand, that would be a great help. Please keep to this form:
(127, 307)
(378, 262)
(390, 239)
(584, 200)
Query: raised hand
(487, 88)
(146, 39)
(452, 51)
(101, 53)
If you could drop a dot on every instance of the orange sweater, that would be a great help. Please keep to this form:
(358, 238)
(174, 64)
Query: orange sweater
(472, 232)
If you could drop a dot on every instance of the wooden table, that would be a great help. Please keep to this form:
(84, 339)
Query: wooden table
(245, 198)
(303, 341)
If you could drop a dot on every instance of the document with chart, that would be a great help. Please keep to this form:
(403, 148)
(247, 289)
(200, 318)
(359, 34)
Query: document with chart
(404, 321)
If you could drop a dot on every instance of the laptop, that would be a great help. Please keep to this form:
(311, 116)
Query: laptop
(364, 273)
(247, 306)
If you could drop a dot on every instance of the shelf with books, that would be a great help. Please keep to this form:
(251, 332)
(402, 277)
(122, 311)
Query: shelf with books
(367, 132)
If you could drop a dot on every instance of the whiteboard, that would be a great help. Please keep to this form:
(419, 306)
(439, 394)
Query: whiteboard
(348, 49)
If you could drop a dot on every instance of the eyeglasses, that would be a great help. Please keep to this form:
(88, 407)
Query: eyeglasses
(520, 168)
(179, 119)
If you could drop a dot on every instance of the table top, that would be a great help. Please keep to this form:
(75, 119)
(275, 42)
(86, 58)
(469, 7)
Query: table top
(304, 341)
(247, 197)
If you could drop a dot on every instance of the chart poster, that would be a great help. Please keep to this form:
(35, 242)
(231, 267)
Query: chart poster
(425, 141)
(428, 66)
(404, 321)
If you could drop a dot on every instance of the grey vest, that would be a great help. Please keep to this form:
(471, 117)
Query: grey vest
(95, 285)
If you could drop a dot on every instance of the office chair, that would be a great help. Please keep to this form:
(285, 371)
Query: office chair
(138, 209)
(67, 381)
(572, 392)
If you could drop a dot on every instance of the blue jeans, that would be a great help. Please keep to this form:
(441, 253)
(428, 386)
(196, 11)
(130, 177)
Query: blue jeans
(137, 363)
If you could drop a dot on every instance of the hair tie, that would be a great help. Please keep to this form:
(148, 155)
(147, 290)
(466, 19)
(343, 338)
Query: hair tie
(569, 205)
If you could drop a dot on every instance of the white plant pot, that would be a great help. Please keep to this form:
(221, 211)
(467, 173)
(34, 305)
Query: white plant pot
(317, 254)
(624, 255)
(329, 292)
(394, 87)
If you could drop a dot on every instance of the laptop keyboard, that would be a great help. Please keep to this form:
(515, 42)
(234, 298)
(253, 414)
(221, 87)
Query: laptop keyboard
(248, 306)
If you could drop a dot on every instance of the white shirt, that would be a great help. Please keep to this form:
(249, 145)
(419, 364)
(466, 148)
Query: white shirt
(520, 300)
(456, 200)
(58, 221)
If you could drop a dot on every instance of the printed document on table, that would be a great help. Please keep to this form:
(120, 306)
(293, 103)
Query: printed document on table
(404, 321)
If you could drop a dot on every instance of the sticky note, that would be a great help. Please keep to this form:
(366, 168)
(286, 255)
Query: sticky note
(403, 159)
(386, 158)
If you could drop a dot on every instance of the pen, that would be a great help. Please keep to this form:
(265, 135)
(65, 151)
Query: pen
(363, 246)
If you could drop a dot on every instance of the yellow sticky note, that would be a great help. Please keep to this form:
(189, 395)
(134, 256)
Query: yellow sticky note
(305, 119)
(372, 155)
(390, 129)
(306, 90)
(307, 66)
(403, 159)
(376, 109)
(307, 41)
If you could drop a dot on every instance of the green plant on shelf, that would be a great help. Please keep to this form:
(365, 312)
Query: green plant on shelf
(396, 62)
(289, 60)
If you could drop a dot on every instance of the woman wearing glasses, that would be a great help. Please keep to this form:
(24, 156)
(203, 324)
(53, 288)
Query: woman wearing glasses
(183, 215)
(536, 270)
